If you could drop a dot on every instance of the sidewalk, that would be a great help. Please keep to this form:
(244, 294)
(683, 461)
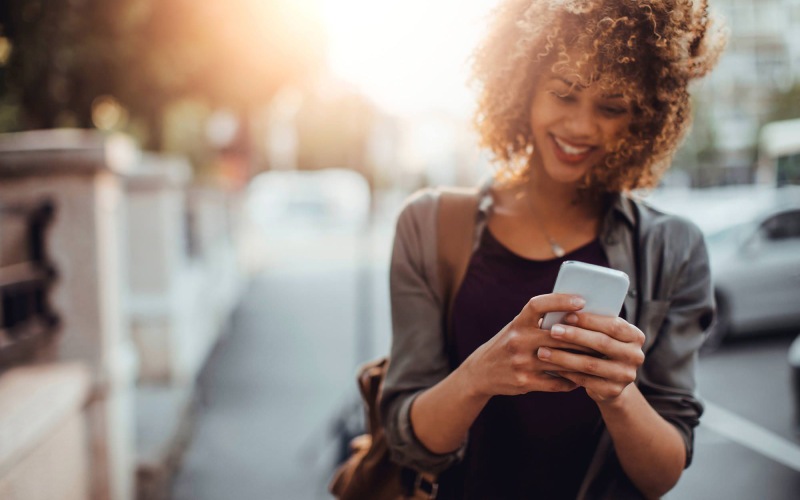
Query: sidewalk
(279, 378)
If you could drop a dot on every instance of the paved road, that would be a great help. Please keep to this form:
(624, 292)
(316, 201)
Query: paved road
(286, 368)
(746, 445)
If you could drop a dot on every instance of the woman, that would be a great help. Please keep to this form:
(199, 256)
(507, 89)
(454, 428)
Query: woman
(581, 102)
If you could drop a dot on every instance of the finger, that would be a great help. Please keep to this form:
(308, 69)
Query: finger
(617, 327)
(602, 387)
(524, 381)
(589, 365)
(550, 383)
(531, 367)
(599, 342)
(570, 347)
(531, 364)
(527, 341)
(540, 305)
(578, 349)
(544, 366)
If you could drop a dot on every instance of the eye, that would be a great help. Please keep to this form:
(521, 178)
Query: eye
(613, 111)
(563, 96)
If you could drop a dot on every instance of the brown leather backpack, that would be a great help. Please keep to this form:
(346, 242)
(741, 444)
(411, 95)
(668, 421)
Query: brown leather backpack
(369, 473)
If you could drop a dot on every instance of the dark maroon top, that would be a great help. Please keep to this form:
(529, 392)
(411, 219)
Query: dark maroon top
(536, 445)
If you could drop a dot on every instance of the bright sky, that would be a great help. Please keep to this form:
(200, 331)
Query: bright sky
(407, 55)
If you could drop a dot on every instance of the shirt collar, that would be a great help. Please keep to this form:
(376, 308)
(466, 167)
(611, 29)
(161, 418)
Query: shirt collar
(622, 205)
(619, 203)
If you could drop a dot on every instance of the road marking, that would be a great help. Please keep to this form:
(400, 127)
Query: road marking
(750, 435)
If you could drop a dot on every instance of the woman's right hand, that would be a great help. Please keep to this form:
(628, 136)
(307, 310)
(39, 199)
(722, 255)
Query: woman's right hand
(507, 364)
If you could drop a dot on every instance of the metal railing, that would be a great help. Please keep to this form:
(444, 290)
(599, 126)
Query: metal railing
(27, 322)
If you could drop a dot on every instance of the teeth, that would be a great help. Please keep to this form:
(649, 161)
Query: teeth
(571, 150)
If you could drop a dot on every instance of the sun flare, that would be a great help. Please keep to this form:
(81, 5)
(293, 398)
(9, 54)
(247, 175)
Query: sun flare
(407, 55)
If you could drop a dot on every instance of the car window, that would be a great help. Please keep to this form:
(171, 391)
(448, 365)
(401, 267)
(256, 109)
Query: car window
(727, 236)
(782, 226)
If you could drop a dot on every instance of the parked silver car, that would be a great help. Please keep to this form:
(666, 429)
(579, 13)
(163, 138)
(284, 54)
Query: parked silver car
(755, 265)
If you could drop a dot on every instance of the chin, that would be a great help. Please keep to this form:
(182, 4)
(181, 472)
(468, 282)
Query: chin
(567, 175)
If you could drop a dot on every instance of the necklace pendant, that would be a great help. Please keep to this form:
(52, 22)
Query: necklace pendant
(557, 250)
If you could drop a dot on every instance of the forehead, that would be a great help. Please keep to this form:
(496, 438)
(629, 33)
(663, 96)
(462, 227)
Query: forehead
(600, 88)
(579, 72)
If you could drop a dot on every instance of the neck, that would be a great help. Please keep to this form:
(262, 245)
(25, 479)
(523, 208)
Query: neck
(558, 202)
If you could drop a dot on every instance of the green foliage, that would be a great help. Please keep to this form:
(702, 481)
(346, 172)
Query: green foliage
(786, 105)
(333, 130)
(147, 54)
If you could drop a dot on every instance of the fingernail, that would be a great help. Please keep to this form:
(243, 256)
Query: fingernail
(544, 353)
(571, 318)
(577, 301)
(558, 331)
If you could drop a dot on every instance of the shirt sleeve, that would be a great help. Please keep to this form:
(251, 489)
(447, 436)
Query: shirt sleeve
(667, 378)
(418, 357)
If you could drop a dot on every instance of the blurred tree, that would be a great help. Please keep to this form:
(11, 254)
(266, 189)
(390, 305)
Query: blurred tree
(785, 105)
(333, 128)
(64, 54)
(149, 53)
(698, 152)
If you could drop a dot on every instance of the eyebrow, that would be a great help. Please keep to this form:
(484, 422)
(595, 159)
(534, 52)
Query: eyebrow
(579, 88)
(568, 83)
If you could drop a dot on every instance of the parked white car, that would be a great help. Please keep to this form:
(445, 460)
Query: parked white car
(296, 203)
(753, 236)
(756, 269)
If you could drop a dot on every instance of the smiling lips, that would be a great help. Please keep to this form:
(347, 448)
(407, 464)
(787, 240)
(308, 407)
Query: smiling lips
(571, 153)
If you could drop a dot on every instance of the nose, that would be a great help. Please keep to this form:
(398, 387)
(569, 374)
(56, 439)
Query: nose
(581, 123)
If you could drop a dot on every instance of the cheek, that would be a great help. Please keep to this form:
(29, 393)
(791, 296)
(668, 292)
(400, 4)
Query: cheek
(545, 116)
(616, 131)
(534, 116)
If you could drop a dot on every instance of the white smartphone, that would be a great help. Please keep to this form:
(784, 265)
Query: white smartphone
(602, 288)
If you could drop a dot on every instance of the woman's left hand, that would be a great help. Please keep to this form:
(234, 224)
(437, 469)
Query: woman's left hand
(618, 343)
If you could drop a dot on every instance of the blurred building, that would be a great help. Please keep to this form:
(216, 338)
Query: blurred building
(762, 61)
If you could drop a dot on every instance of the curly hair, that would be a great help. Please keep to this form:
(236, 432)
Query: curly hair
(648, 49)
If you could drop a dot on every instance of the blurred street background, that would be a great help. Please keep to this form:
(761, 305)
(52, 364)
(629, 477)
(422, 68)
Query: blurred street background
(197, 205)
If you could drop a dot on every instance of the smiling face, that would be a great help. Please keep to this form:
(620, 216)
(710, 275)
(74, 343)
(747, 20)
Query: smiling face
(574, 126)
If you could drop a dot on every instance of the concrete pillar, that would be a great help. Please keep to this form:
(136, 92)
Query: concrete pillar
(43, 447)
(80, 172)
(159, 267)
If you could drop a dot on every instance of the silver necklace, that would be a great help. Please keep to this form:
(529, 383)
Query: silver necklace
(557, 249)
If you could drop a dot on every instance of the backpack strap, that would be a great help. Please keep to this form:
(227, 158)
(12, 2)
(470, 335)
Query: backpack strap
(454, 239)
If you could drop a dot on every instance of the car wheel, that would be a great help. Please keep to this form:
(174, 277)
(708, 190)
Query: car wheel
(720, 328)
